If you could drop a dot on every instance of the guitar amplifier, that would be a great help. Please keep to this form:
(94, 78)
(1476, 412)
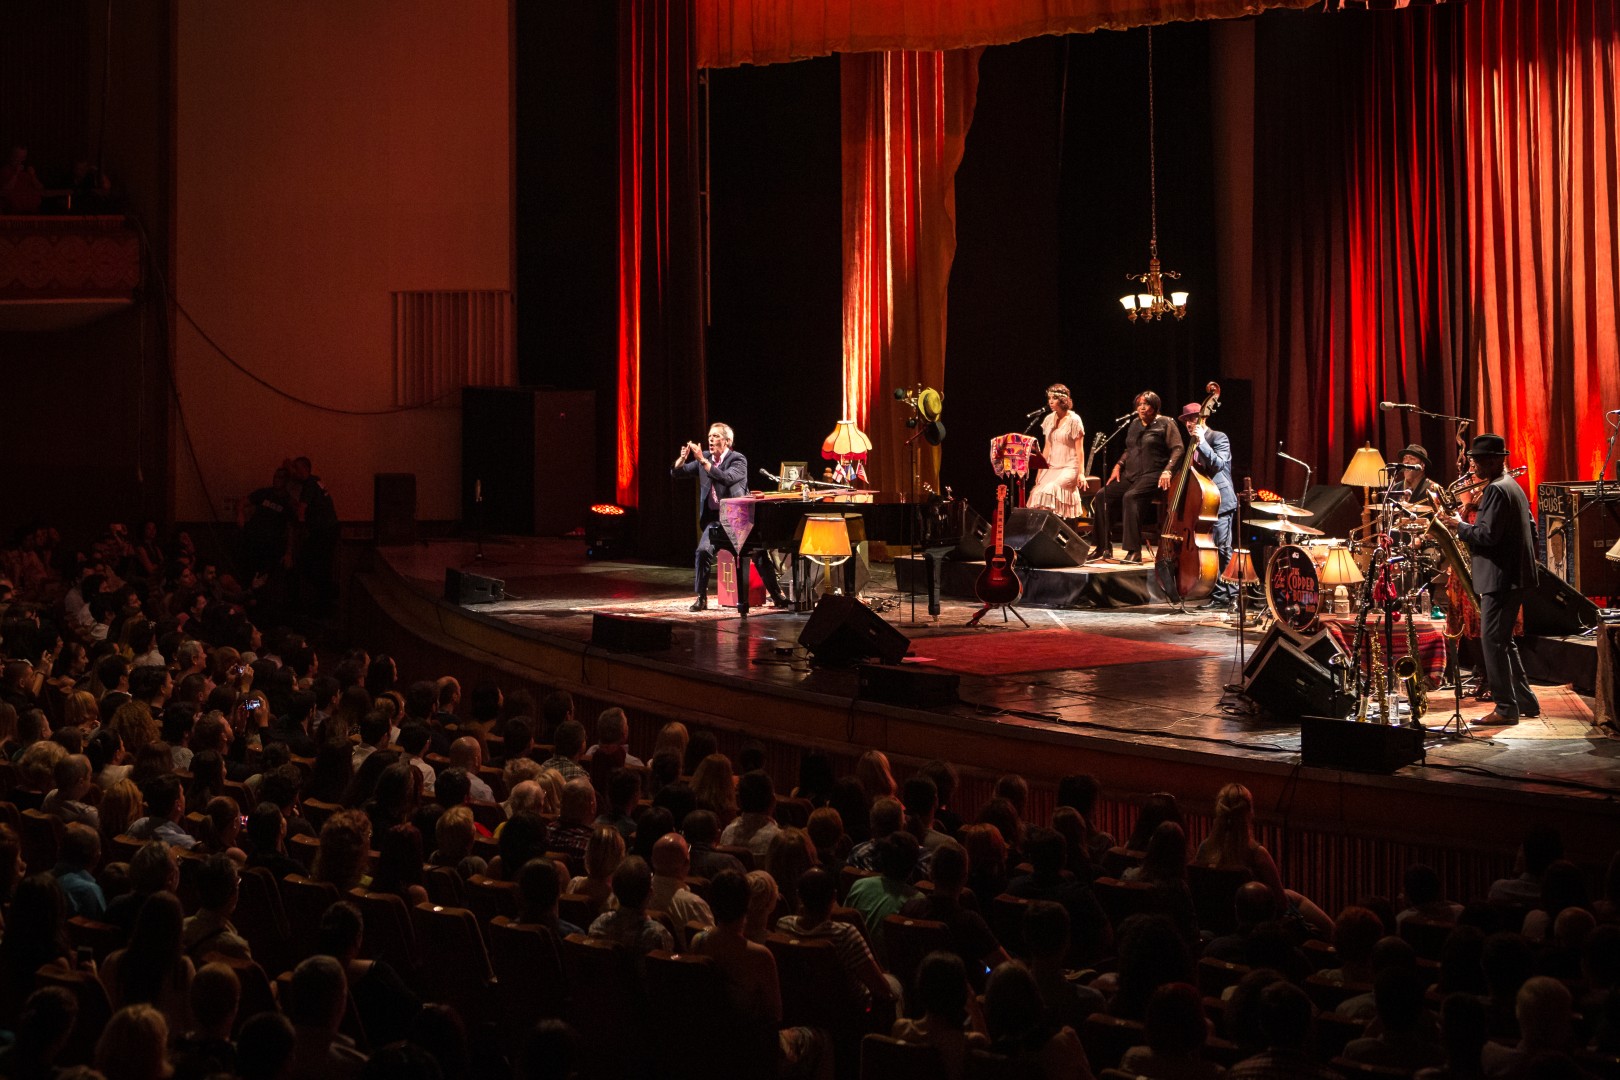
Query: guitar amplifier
(1576, 531)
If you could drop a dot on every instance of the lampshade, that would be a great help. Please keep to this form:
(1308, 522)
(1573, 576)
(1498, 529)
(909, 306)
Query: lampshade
(1128, 302)
(1365, 468)
(825, 537)
(1179, 299)
(1240, 568)
(1144, 301)
(1614, 552)
(846, 441)
(1340, 568)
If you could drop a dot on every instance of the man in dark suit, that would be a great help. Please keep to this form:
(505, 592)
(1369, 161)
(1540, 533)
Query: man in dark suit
(722, 474)
(1504, 567)
(1212, 456)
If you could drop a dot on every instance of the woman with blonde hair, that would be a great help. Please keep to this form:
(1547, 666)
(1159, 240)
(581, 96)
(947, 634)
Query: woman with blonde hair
(604, 851)
(1231, 846)
(715, 788)
(876, 778)
(345, 844)
(121, 806)
(672, 737)
(134, 1045)
(79, 709)
(763, 897)
(551, 788)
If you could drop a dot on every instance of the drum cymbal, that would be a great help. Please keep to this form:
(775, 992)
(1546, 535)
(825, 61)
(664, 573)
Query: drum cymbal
(1284, 525)
(1415, 509)
(1282, 509)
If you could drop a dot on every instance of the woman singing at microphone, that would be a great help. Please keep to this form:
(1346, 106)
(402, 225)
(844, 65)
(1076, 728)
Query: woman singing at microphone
(1058, 487)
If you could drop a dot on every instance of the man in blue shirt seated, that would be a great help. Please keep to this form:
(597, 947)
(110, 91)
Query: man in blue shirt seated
(81, 851)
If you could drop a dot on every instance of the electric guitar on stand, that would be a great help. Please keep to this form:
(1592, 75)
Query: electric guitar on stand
(998, 584)
(1090, 483)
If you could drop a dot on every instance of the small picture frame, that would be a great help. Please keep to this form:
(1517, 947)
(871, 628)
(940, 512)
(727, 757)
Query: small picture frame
(791, 473)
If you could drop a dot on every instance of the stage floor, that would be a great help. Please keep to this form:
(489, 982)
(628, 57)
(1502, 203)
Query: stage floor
(1155, 678)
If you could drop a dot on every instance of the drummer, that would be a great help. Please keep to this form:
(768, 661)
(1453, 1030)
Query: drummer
(1413, 486)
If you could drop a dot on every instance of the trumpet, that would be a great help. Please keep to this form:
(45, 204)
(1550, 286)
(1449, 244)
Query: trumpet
(1467, 483)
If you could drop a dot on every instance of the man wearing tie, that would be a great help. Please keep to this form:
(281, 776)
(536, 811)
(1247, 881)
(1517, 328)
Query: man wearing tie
(1504, 567)
(722, 474)
(1212, 456)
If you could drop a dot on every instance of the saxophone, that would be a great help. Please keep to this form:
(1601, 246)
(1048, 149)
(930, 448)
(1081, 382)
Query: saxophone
(1379, 679)
(1406, 668)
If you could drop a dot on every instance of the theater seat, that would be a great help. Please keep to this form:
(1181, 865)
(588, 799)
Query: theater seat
(487, 897)
(1214, 894)
(257, 995)
(527, 960)
(1122, 899)
(605, 986)
(1106, 1038)
(260, 918)
(389, 933)
(692, 1004)
(305, 901)
(456, 965)
(41, 836)
(885, 1058)
(94, 1011)
(907, 941)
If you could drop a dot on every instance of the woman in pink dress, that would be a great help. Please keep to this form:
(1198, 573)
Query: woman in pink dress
(1058, 487)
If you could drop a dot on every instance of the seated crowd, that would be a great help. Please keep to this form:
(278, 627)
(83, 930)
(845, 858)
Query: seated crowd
(217, 859)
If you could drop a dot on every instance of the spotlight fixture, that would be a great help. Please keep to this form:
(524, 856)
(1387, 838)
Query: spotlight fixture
(607, 533)
(1151, 301)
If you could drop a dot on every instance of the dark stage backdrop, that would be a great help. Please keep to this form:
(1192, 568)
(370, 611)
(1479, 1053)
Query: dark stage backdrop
(1052, 211)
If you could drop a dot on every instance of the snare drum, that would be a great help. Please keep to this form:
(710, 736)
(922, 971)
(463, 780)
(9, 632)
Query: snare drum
(1293, 589)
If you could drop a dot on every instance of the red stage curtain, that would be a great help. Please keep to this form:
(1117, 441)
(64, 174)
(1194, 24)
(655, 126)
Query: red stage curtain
(1542, 86)
(905, 122)
(734, 32)
(1436, 208)
(1358, 239)
(661, 386)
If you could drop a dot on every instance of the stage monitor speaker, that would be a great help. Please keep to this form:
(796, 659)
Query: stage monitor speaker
(393, 508)
(842, 630)
(910, 686)
(1289, 682)
(620, 633)
(1327, 742)
(1555, 609)
(969, 547)
(1321, 646)
(1043, 541)
(512, 480)
(461, 587)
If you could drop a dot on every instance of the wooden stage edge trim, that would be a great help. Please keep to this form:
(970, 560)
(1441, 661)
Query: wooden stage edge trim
(1447, 811)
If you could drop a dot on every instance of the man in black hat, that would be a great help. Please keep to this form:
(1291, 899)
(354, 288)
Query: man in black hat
(1414, 483)
(1504, 567)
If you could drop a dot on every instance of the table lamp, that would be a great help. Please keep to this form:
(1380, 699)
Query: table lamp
(1240, 570)
(826, 537)
(1340, 571)
(849, 445)
(1366, 470)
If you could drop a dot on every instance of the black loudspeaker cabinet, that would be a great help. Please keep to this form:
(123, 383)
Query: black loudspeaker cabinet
(910, 686)
(1043, 541)
(528, 462)
(619, 633)
(969, 547)
(1289, 682)
(1331, 743)
(1556, 609)
(460, 587)
(842, 630)
(1577, 528)
(1321, 646)
(393, 508)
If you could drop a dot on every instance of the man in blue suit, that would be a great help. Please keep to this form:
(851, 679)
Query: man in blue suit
(1504, 561)
(722, 474)
(1212, 456)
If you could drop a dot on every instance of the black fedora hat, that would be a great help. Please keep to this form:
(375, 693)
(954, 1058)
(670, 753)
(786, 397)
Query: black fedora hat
(1488, 446)
(1416, 451)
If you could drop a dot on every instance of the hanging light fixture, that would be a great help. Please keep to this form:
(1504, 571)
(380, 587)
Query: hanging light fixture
(1151, 301)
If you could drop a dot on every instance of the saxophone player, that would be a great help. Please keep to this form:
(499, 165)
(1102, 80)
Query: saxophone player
(1504, 567)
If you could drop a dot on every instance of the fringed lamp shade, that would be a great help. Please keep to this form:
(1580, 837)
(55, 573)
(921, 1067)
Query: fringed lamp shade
(1240, 568)
(848, 445)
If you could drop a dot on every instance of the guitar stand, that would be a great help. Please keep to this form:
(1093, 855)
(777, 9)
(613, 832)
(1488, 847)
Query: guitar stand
(977, 615)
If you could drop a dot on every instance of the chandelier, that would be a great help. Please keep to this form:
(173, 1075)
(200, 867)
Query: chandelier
(1152, 301)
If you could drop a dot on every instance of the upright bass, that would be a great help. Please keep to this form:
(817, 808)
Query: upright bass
(1187, 563)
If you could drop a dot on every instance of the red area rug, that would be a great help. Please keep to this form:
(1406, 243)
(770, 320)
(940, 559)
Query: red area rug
(1039, 650)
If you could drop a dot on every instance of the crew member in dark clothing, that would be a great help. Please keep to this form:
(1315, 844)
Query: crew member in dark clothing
(317, 548)
(267, 526)
(1153, 449)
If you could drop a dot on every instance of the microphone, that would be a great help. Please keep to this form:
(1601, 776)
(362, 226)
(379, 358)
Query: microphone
(1127, 416)
(1042, 411)
(1289, 457)
(767, 474)
(1612, 412)
(1388, 405)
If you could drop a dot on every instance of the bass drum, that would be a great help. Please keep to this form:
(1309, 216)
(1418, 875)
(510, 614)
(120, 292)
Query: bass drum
(1293, 588)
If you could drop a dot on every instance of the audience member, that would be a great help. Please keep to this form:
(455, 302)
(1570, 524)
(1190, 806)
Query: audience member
(702, 831)
(77, 860)
(947, 1007)
(315, 1001)
(885, 893)
(627, 924)
(386, 1005)
(671, 860)
(604, 851)
(210, 930)
(206, 1050)
(1176, 1032)
(754, 827)
(1020, 1029)
(153, 969)
(134, 1045)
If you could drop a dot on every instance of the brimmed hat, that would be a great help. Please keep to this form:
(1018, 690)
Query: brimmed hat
(1488, 446)
(1192, 408)
(1416, 451)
